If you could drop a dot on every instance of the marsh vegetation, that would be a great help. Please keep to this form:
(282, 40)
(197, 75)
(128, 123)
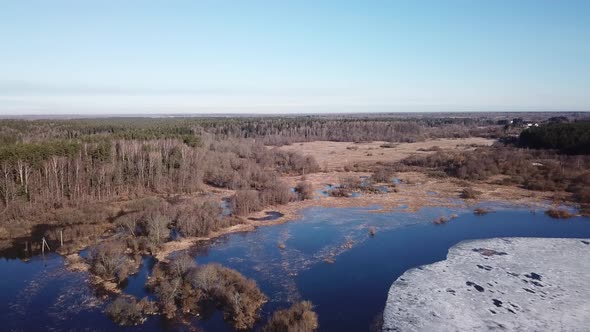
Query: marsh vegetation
(134, 188)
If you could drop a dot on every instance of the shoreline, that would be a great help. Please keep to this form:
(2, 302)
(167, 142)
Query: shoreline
(508, 282)
(413, 195)
(415, 191)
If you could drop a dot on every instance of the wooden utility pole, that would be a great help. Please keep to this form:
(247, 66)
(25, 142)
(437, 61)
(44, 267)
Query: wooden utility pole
(61, 237)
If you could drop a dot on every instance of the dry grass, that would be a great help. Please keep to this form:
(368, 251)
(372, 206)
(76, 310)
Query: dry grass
(559, 214)
(481, 211)
(336, 155)
(76, 263)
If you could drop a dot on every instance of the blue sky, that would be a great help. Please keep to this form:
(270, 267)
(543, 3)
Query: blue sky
(97, 57)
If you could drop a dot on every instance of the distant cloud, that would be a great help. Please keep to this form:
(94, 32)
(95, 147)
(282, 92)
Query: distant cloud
(20, 97)
(11, 88)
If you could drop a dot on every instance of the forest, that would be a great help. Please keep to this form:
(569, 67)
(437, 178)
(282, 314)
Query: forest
(568, 137)
(271, 130)
(40, 177)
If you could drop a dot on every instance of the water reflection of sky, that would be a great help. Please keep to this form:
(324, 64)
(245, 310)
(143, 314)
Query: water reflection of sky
(347, 294)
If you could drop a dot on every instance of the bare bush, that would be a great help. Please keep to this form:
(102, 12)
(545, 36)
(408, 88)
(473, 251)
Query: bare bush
(128, 312)
(340, 192)
(481, 211)
(239, 297)
(470, 193)
(108, 261)
(440, 220)
(277, 194)
(300, 317)
(199, 219)
(382, 174)
(559, 214)
(580, 187)
(156, 227)
(351, 182)
(304, 190)
(180, 285)
(181, 265)
(245, 201)
(129, 223)
(294, 163)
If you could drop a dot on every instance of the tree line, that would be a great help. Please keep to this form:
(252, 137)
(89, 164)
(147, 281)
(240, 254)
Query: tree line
(570, 138)
(271, 130)
(36, 177)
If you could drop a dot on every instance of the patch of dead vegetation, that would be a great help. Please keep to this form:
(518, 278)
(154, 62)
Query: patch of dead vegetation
(336, 155)
(559, 213)
(76, 263)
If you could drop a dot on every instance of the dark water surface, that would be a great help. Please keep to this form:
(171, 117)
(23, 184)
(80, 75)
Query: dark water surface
(329, 259)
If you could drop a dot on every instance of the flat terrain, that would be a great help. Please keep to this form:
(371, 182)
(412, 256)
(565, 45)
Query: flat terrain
(336, 155)
(415, 190)
(513, 284)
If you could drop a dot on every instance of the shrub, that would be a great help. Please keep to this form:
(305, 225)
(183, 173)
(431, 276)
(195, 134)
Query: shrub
(245, 201)
(340, 192)
(199, 219)
(277, 193)
(129, 223)
(440, 220)
(181, 265)
(128, 312)
(382, 175)
(294, 163)
(580, 187)
(156, 227)
(481, 211)
(351, 182)
(469, 193)
(304, 190)
(182, 285)
(559, 213)
(239, 297)
(300, 317)
(108, 261)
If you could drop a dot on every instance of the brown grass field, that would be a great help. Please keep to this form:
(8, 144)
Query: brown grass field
(336, 155)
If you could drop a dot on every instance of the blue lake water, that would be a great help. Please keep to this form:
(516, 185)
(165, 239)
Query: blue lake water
(347, 285)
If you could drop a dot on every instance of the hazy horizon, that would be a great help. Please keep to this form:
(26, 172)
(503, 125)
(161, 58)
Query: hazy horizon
(261, 57)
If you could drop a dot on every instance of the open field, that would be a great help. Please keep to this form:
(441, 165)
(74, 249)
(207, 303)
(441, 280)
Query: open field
(336, 155)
